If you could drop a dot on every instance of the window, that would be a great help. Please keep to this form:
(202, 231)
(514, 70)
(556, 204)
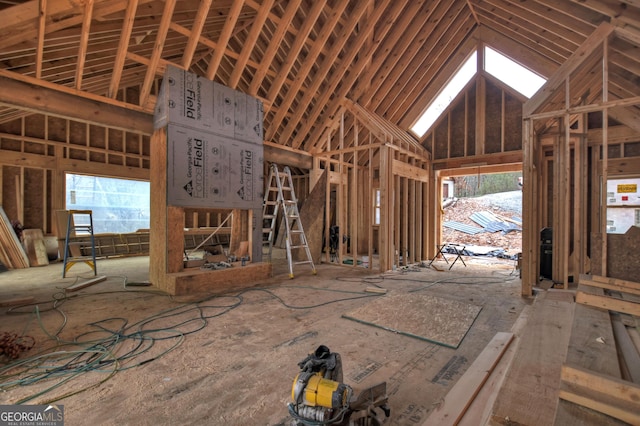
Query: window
(508, 71)
(446, 96)
(511, 73)
(117, 205)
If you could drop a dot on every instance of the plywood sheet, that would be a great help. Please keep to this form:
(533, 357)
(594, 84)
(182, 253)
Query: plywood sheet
(437, 320)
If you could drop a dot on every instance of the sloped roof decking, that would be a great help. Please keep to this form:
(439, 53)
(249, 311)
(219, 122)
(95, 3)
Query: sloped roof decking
(303, 57)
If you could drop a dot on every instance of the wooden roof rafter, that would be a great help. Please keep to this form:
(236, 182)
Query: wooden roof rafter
(571, 64)
(323, 69)
(418, 58)
(385, 130)
(346, 84)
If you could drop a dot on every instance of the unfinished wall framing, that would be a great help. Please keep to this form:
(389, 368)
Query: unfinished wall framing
(364, 156)
(37, 151)
(579, 132)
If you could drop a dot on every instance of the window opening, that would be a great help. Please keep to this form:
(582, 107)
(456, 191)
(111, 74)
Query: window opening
(117, 205)
(447, 95)
(511, 73)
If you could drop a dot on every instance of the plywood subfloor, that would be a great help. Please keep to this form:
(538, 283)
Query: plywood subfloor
(434, 319)
(237, 360)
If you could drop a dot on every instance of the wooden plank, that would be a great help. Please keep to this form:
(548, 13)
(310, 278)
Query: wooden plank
(529, 396)
(156, 55)
(609, 303)
(34, 246)
(123, 43)
(565, 70)
(82, 284)
(225, 35)
(196, 31)
(294, 50)
(17, 301)
(609, 395)
(274, 44)
(249, 42)
(38, 96)
(479, 411)
(616, 284)
(627, 352)
(310, 61)
(403, 169)
(16, 256)
(84, 41)
(460, 397)
(591, 347)
(202, 281)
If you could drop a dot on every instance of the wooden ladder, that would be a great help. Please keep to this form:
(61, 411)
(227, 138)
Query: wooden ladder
(280, 195)
(79, 237)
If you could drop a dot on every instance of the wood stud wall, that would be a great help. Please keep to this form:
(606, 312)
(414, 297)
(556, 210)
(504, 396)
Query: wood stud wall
(558, 140)
(364, 152)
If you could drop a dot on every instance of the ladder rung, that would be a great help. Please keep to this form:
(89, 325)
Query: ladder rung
(79, 258)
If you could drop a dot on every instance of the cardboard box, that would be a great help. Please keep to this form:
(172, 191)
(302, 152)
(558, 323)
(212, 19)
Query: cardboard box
(212, 171)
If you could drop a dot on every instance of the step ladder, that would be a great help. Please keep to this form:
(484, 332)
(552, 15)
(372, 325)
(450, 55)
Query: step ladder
(79, 238)
(280, 195)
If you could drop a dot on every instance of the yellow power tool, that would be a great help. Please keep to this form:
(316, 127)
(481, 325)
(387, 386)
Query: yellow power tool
(320, 398)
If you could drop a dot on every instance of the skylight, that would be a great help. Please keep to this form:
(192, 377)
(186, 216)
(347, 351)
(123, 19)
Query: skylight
(511, 73)
(447, 95)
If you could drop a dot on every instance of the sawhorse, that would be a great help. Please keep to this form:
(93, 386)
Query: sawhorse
(458, 253)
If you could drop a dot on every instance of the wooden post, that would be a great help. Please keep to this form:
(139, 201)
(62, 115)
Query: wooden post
(605, 154)
(529, 228)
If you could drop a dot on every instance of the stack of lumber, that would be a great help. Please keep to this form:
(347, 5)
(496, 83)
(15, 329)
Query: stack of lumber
(574, 361)
(601, 375)
(12, 253)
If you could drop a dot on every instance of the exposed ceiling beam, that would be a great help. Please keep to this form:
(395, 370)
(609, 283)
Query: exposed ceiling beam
(354, 72)
(163, 29)
(323, 68)
(123, 44)
(42, 20)
(591, 43)
(250, 42)
(294, 50)
(227, 31)
(274, 45)
(69, 105)
(84, 41)
(196, 31)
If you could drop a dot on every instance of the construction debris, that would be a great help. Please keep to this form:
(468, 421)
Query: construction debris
(461, 213)
(495, 223)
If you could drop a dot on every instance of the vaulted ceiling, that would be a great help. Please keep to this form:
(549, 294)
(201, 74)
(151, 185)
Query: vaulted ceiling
(303, 58)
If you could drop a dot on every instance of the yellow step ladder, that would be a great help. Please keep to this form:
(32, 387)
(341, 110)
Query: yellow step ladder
(78, 240)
